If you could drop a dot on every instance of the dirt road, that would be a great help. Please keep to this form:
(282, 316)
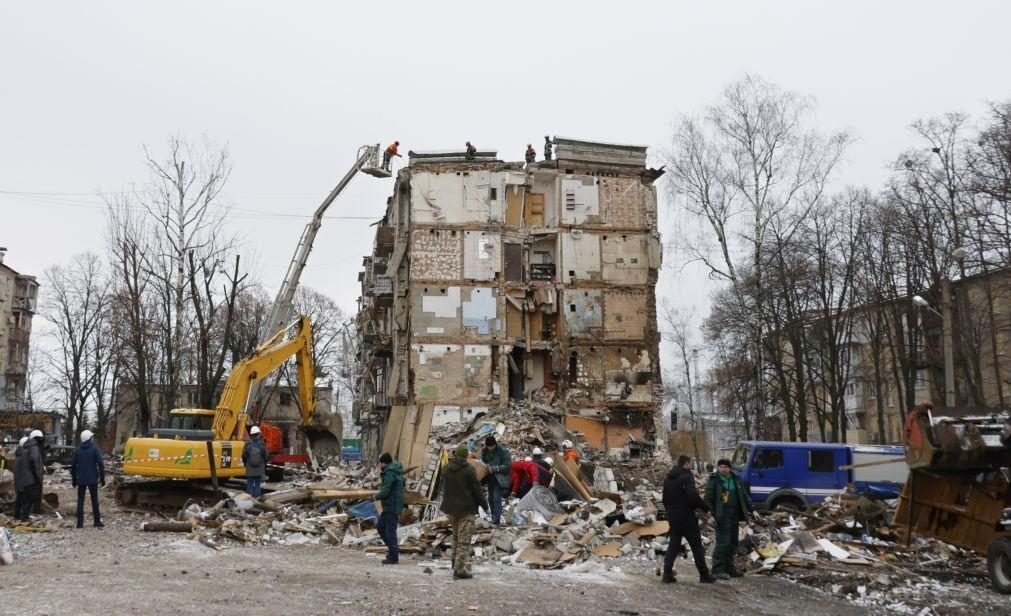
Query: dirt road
(119, 570)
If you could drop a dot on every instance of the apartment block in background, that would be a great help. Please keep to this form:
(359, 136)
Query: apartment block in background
(493, 281)
(18, 297)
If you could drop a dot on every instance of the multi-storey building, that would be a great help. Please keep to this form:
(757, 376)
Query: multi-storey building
(18, 296)
(491, 281)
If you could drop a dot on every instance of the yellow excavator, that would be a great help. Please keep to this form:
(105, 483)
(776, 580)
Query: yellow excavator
(179, 451)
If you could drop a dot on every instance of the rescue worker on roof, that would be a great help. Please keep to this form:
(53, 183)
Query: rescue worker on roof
(531, 154)
(391, 151)
(547, 147)
(471, 152)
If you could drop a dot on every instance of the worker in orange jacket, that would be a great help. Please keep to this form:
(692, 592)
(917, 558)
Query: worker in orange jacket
(570, 451)
(391, 151)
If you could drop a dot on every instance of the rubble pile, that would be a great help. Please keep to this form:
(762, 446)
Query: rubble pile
(846, 546)
(542, 532)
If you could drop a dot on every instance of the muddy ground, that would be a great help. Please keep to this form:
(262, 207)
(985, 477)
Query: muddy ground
(120, 570)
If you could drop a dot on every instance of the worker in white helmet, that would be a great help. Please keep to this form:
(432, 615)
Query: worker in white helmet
(255, 458)
(569, 451)
(35, 472)
(87, 472)
(542, 468)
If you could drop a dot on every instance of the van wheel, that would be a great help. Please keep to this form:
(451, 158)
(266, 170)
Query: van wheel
(998, 564)
(788, 503)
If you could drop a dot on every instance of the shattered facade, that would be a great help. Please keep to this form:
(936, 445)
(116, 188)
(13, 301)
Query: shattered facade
(493, 280)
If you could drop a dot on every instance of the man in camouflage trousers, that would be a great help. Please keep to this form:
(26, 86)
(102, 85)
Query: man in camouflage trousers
(461, 496)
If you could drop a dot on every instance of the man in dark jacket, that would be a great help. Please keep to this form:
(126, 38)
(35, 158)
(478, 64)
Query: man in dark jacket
(255, 458)
(391, 495)
(461, 496)
(22, 481)
(499, 463)
(681, 501)
(37, 470)
(730, 503)
(87, 471)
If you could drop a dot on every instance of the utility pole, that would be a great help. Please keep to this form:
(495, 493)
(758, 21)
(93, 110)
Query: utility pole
(949, 347)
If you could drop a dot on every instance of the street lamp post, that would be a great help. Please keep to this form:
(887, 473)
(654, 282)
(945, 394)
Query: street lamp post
(949, 351)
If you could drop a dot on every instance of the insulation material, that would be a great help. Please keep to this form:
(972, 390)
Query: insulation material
(435, 254)
(580, 203)
(482, 255)
(626, 314)
(580, 256)
(628, 374)
(513, 205)
(440, 310)
(514, 321)
(480, 310)
(624, 259)
(627, 203)
(533, 210)
(583, 313)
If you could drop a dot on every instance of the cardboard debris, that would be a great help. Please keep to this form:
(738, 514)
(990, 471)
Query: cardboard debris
(608, 550)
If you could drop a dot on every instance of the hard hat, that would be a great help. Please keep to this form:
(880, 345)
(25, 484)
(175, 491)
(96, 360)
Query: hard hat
(538, 451)
(86, 435)
(528, 459)
(21, 443)
(549, 461)
(254, 430)
(396, 143)
(566, 444)
(35, 434)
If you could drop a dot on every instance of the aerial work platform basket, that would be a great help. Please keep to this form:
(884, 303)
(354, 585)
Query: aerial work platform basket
(373, 164)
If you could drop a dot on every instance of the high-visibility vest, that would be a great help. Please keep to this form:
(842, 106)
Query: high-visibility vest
(392, 148)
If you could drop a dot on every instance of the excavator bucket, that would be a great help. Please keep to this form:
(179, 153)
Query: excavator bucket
(373, 164)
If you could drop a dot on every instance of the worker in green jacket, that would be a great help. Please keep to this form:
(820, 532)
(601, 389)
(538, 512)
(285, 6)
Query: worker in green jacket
(730, 503)
(391, 495)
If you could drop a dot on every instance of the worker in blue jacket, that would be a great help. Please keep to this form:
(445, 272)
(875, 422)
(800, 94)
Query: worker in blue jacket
(87, 472)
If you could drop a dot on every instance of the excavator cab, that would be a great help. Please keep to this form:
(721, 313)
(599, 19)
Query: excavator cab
(373, 164)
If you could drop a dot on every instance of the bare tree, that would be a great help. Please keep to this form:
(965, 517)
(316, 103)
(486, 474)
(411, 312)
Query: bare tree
(685, 383)
(752, 162)
(182, 202)
(214, 311)
(77, 301)
(135, 315)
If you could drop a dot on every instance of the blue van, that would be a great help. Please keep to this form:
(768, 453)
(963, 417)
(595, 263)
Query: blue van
(794, 475)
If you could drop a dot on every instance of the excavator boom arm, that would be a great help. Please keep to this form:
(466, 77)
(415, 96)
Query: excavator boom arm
(230, 415)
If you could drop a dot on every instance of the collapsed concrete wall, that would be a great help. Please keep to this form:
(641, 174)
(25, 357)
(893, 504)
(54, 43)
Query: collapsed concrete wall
(507, 281)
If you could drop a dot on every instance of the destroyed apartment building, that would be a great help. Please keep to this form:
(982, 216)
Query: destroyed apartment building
(495, 282)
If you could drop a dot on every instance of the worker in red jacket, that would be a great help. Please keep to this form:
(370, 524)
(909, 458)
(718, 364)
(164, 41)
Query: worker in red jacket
(521, 476)
(391, 151)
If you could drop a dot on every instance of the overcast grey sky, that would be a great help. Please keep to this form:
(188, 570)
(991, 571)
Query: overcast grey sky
(294, 88)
